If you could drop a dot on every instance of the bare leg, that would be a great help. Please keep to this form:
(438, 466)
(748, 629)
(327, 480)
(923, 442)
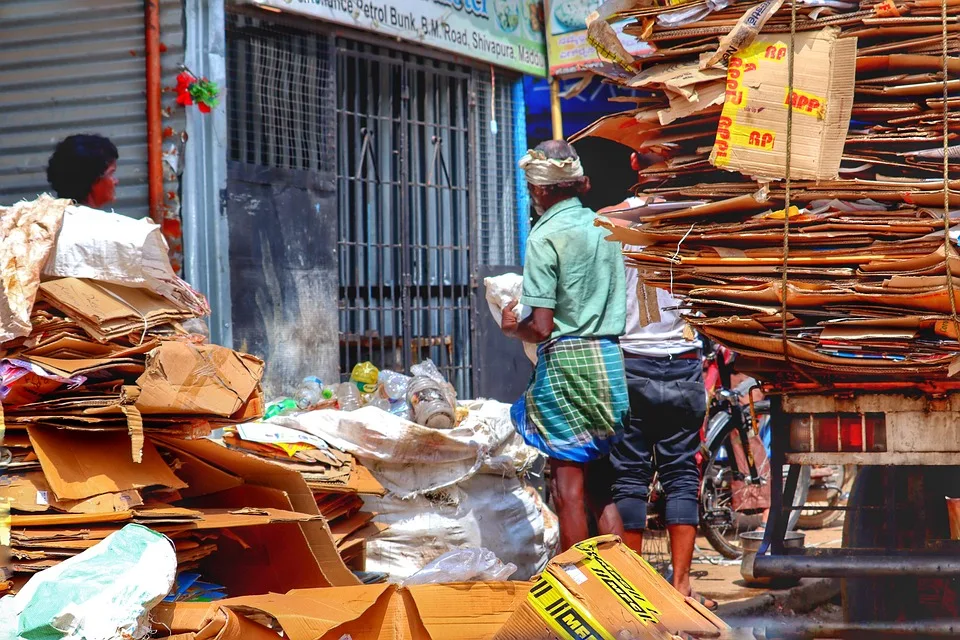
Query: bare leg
(567, 485)
(608, 520)
(634, 540)
(683, 537)
(599, 478)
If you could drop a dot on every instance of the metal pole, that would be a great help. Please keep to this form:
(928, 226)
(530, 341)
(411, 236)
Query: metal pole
(796, 629)
(840, 566)
(773, 535)
(556, 118)
(154, 124)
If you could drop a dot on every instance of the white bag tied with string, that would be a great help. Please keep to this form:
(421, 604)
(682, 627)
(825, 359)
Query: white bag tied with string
(502, 290)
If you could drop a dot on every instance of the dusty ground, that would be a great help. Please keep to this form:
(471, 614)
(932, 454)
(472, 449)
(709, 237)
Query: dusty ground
(719, 579)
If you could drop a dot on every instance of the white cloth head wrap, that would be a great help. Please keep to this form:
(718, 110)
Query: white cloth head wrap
(542, 171)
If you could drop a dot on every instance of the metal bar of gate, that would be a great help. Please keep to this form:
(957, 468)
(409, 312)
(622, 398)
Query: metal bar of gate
(797, 629)
(405, 226)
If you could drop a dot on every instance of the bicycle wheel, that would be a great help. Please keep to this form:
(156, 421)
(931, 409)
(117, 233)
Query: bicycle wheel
(656, 540)
(720, 523)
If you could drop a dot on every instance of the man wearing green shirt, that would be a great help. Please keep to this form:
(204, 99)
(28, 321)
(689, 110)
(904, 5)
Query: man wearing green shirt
(576, 405)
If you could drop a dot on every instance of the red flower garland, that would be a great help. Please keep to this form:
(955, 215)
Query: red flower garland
(192, 90)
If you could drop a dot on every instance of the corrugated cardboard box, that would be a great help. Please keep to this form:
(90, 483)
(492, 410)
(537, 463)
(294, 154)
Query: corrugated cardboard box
(600, 589)
(752, 132)
(458, 611)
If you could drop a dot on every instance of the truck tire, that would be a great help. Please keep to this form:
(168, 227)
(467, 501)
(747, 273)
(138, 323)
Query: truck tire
(912, 513)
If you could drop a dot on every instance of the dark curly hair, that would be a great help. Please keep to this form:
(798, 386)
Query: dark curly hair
(77, 163)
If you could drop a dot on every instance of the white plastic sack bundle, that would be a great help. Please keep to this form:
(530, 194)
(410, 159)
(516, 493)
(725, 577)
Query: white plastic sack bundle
(501, 291)
(103, 593)
(485, 511)
(113, 248)
(409, 459)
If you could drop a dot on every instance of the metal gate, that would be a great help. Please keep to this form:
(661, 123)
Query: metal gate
(425, 184)
(405, 176)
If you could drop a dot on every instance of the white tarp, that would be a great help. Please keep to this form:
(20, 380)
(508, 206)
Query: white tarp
(410, 459)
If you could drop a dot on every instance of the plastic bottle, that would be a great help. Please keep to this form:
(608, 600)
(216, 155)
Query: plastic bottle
(394, 384)
(379, 401)
(311, 393)
(429, 404)
(348, 396)
(365, 375)
(429, 369)
(280, 407)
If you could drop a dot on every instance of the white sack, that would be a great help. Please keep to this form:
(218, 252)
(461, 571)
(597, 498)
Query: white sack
(410, 459)
(485, 511)
(501, 291)
(27, 234)
(113, 248)
(104, 593)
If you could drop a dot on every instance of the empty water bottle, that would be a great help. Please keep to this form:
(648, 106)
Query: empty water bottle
(311, 393)
(429, 404)
(280, 407)
(394, 384)
(348, 396)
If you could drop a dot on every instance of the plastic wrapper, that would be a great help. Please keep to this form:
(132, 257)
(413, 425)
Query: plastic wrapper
(104, 593)
(464, 565)
(743, 33)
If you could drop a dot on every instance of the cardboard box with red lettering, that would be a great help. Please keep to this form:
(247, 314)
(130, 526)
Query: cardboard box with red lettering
(752, 131)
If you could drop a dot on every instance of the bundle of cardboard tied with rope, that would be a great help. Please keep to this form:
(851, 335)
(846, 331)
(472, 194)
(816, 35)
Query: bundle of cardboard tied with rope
(794, 164)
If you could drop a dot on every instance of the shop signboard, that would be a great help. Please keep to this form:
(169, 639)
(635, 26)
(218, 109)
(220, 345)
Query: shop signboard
(567, 48)
(507, 33)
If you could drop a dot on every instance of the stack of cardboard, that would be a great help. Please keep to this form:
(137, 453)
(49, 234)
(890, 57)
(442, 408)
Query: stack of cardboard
(103, 407)
(336, 479)
(598, 589)
(868, 294)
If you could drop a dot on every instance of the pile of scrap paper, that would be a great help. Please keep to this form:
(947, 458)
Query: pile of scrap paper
(335, 478)
(867, 293)
(107, 395)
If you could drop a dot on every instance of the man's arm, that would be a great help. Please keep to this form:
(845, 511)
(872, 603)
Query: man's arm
(535, 328)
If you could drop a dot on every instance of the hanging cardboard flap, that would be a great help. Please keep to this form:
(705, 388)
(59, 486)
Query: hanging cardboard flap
(79, 465)
(314, 613)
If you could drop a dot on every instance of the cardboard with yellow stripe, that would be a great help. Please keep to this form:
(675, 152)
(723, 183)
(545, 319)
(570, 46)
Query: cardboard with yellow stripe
(601, 590)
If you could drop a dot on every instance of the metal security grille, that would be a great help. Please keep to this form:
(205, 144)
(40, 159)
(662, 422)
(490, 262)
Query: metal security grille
(425, 187)
(70, 67)
(404, 179)
(281, 96)
(497, 202)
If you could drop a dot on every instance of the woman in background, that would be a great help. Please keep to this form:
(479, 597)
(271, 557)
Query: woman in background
(83, 168)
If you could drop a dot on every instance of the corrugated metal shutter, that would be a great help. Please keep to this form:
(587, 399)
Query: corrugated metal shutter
(78, 67)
